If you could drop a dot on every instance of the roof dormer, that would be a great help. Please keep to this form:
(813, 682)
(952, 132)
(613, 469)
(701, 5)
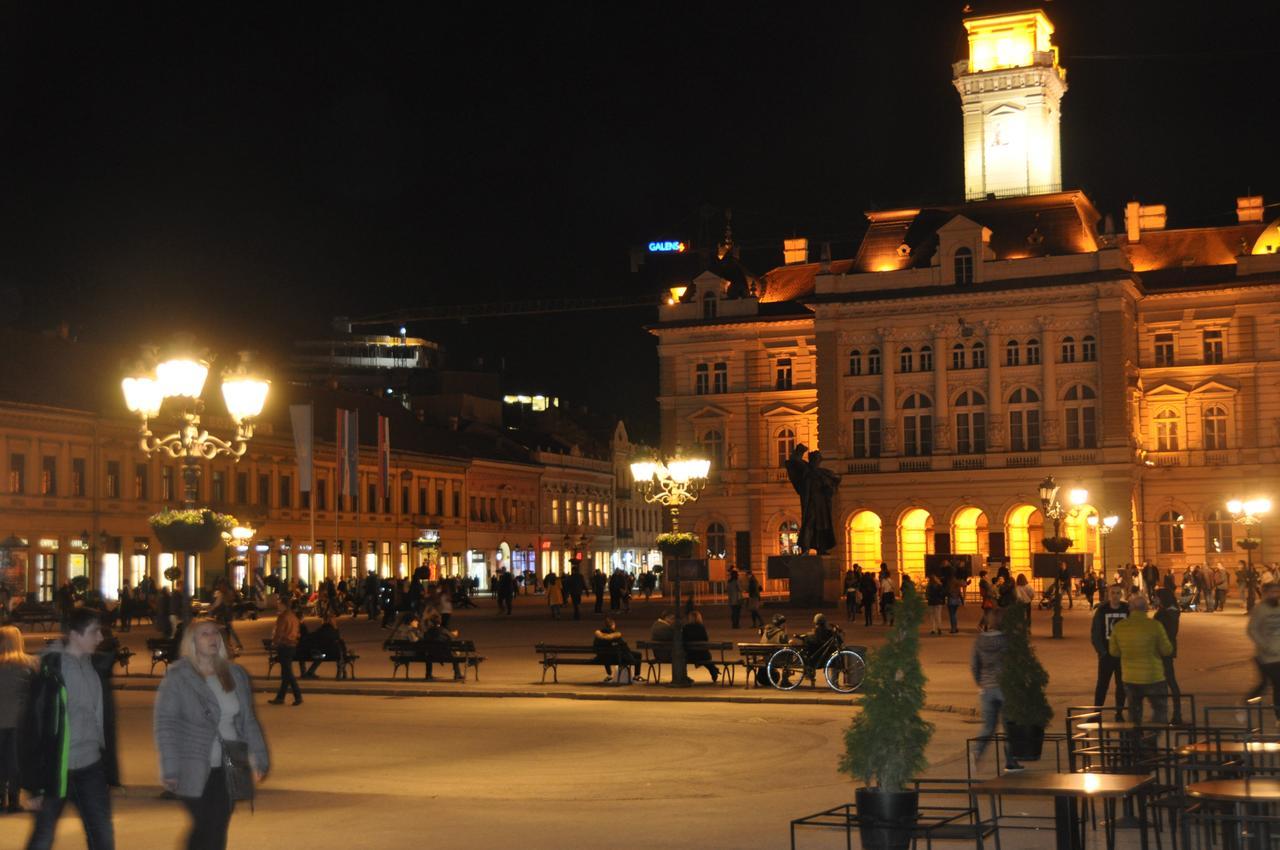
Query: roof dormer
(963, 246)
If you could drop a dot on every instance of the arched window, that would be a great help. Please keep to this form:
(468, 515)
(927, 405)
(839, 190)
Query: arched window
(866, 427)
(1217, 532)
(926, 358)
(855, 362)
(1215, 427)
(957, 356)
(1081, 417)
(1011, 351)
(873, 362)
(904, 359)
(1068, 349)
(712, 445)
(709, 305)
(702, 379)
(788, 537)
(1088, 349)
(717, 538)
(1167, 431)
(1170, 532)
(1024, 420)
(963, 264)
(979, 356)
(786, 443)
(1033, 352)
(917, 425)
(971, 423)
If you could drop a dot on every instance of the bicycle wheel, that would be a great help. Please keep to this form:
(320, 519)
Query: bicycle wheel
(786, 669)
(844, 671)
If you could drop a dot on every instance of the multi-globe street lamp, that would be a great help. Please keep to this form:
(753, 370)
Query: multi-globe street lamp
(1249, 514)
(1104, 525)
(673, 484)
(1053, 509)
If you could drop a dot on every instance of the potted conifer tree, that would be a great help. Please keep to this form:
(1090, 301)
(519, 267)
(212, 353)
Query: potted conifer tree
(885, 744)
(1023, 681)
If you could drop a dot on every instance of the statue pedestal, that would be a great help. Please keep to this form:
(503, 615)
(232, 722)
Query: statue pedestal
(813, 580)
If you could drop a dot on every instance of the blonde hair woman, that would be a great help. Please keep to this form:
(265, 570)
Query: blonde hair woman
(16, 668)
(205, 699)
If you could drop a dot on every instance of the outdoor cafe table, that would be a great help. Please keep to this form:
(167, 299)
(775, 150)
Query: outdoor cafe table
(1241, 792)
(1065, 788)
(1230, 748)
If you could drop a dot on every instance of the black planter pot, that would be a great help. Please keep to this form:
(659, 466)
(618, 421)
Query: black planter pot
(1025, 743)
(886, 817)
(186, 537)
(676, 550)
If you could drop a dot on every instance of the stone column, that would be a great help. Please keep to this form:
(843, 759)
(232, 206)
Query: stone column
(889, 394)
(995, 397)
(941, 408)
(1050, 432)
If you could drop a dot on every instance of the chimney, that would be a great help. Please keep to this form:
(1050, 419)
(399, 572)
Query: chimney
(795, 251)
(1249, 209)
(1138, 218)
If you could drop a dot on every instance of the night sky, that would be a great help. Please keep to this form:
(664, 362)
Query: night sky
(248, 172)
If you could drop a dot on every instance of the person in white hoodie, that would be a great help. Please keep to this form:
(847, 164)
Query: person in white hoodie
(1264, 631)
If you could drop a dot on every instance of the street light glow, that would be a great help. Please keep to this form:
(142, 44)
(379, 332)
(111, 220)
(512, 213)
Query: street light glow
(245, 397)
(1078, 496)
(142, 395)
(182, 377)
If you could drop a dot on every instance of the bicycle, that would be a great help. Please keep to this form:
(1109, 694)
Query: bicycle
(843, 669)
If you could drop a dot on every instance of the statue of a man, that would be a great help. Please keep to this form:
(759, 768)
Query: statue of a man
(816, 487)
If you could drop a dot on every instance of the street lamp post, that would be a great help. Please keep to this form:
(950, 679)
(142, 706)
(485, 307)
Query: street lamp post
(1104, 525)
(673, 484)
(93, 545)
(1249, 514)
(1053, 508)
(181, 378)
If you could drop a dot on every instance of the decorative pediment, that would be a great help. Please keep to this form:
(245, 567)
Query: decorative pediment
(1168, 389)
(1215, 386)
(708, 282)
(962, 227)
(711, 411)
(1006, 107)
(784, 409)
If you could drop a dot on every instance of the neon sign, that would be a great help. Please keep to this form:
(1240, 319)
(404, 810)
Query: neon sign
(667, 247)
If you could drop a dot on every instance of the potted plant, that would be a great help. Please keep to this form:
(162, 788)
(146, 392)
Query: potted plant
(1023, 681)
(885, 743)
(80, 584)
(173, 573)
(196, 530)
(677, 544)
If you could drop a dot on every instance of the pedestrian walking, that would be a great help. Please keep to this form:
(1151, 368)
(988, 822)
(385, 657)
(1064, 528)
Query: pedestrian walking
(573, 588)
(1089, 586)
(1264, 631)
(597, 589)
(555, 595)
(16, 670)
(888, 595)
(1140, 643)
(1168, 615)
(955, 598)
(615, 590)
(987, 592)
(1105, 619)
(851, 578)
(204, 725)
(753, 601)
(986, 663)
(506, 585)
(1221, 582)
(285, 642)
(68, 736)
(223, 611)
(733, 595)
(1024, 594)
(870, 589)
(936, 598)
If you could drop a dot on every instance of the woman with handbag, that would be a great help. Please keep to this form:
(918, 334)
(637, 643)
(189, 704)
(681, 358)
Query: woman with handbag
(211, 747)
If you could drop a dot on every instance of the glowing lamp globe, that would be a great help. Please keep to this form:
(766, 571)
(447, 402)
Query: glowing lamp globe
(182, 378)
(245, 397)
(142, 395)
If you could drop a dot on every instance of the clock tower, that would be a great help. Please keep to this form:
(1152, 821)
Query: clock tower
(1011, 88)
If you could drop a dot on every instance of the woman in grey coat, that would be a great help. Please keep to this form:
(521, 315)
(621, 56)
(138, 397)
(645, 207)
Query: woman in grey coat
(204, 700)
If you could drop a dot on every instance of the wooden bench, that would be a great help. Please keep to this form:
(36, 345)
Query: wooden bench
(406, 652)
(344, 660)
(163, 651)
(658, 653)
(557, 655)
(34, 615)
(755, 657)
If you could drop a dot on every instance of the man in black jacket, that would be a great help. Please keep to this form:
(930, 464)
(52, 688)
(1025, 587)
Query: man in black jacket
(67, 748)
(574, 586)
(597, 588)
(1104, 620)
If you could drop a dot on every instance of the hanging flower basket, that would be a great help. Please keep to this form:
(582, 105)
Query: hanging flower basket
(1057, 545)
(1250, 543)
(677, 545)
(173, 573)
(190, 531)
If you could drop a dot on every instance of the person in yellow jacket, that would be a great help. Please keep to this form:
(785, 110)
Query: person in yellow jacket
(1141, 644)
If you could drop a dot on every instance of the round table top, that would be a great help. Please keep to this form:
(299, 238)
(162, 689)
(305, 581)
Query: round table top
(1230, 747)
(1118, 726)
(1237, 790)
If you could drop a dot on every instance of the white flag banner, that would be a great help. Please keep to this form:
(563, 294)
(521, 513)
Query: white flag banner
(303, 437)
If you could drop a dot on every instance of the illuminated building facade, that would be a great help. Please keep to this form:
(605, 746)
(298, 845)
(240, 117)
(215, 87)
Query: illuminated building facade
(966, 351)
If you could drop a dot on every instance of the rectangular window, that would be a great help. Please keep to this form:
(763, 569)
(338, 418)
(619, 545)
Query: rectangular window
(457, 499)
(702, 379)
(113, 479)
(475, 509)
(493, 509)
(917, 435)
(782, 374)
(440, 498)
(720, 382)
(1089, 349)
(1213, 346)
(926, 359)
(555, 511)
(140, 482)
(264, 489)
(1164, 349)
(866, 437)
(48, 476)
(904, 361)
(1011, 354)
(371, 502)
(957, 357)
(873, 362)
(17, 473)
(166, 483)
(971, 433)
(1033, 353)
(242, 488)
(322, 494)
(219, 494)
(78, 484)
(422, 501)
(286, 491)
(404, 500)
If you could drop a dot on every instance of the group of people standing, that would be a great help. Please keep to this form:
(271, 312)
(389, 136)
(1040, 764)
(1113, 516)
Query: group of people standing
(864, 588)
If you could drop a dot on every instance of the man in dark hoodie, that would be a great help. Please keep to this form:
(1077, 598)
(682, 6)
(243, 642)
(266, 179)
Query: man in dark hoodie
(986, 663)
(68, 737)
(1104, 620)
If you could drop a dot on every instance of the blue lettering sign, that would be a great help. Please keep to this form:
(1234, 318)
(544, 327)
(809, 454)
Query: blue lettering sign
(667, 247)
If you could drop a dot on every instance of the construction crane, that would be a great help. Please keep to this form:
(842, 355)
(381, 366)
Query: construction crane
(536, 307)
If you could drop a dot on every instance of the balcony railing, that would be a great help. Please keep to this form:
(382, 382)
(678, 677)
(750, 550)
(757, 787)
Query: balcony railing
(915, 464)
(969, 462)
(863, 467)
(1020, 461)
(1079, 458)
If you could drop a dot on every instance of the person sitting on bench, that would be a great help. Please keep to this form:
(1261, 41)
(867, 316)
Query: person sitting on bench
(435, 646)
(610, 647)
(324, 642)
